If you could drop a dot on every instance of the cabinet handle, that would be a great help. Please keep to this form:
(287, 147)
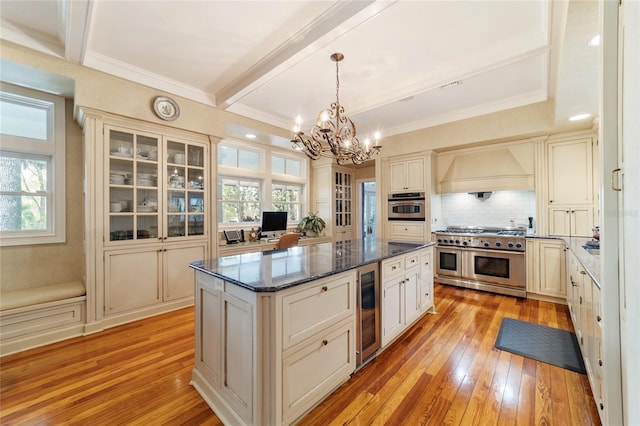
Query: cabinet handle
(613, 173)
(325, 342)
(600, 362)
(324, 288)
(393, 268)
(567, 211)
(601, 406)
(598, 318)
(583, 272)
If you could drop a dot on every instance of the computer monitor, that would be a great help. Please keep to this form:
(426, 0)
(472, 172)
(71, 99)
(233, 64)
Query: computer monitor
(273, 224)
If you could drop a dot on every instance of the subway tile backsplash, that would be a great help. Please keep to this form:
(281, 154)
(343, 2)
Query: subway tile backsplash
(501, 208)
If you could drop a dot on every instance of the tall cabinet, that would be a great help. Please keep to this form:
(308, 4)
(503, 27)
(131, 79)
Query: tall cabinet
(332, 197)
(148, 188)
(571, 194)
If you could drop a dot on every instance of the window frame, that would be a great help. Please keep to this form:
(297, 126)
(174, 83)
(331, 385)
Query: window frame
(221, 200)
(267, 177)
(52, 148)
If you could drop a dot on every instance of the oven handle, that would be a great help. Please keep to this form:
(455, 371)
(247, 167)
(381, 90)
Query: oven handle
(484, 250)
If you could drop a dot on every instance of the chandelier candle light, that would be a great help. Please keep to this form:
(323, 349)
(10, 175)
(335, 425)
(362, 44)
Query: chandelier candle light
(334, 134)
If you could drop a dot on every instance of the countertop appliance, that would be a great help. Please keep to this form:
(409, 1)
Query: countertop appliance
(482, 258)
(407, 206)
(367, 313)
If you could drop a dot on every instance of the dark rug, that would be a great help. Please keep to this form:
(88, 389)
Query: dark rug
(545, 344)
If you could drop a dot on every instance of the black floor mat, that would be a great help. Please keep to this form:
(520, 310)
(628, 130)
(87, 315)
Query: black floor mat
(546, 344)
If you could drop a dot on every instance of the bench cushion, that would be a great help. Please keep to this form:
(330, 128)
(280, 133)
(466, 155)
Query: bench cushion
(33, 296)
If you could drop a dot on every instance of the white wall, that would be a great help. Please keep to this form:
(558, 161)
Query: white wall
(499, 209)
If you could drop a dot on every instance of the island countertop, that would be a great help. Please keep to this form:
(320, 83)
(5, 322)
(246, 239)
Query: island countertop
(279, 269)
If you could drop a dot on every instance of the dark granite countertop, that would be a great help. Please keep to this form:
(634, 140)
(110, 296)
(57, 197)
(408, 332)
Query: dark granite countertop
(279, 269)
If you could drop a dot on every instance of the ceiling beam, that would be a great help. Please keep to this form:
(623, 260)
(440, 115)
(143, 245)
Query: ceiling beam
(337, 20)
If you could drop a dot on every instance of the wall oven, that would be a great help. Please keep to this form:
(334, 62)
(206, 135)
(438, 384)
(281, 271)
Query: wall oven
(407, 206)
(483, 259)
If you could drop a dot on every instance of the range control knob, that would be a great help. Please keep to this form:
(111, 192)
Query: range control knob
(464, 243)
(439, 240)
(510, 245)
(518, 245)
(450, 241)
(498, 243)
(486, 244)
(457, 241)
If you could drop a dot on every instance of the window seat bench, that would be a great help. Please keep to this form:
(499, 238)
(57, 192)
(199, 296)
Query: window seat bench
(41, 315)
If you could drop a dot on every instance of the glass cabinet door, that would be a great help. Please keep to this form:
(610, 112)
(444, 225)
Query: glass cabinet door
(185, 194)
(132, 196)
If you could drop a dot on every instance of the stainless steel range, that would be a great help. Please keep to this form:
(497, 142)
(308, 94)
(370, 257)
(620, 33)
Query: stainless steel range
(483, 258)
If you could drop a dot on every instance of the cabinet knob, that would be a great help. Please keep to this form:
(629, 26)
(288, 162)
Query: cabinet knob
(550, 201)
(325, 342)
(600, 362)
(324, 288)
(583, 272)
(599, 318)
(601, 406)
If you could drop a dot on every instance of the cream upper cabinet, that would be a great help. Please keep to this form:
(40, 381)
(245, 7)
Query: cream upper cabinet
(570, 186)
(407, 175)
(570, 171)
(343, 198)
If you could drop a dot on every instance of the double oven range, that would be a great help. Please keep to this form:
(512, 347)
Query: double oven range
(483, 258)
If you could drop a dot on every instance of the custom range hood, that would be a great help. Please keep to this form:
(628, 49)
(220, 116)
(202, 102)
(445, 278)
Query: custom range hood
(482, 171)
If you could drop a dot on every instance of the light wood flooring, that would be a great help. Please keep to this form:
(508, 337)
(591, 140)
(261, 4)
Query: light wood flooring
(444, 370)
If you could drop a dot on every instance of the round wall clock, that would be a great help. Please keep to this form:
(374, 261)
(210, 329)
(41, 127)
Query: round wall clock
(166, 108)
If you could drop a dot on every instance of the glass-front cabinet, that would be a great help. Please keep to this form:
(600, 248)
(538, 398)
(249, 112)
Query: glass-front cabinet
(156, 187)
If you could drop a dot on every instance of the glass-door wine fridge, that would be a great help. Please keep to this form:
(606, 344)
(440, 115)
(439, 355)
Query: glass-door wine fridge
(368, 313)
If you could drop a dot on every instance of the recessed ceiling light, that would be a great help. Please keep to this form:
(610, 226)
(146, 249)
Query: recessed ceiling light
(578, 117)
(250, 136)
(595, 40)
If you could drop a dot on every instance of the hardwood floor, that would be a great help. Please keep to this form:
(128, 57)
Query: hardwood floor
(445, 370)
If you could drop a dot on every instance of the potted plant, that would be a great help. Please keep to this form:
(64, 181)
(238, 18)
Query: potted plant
(312, 223)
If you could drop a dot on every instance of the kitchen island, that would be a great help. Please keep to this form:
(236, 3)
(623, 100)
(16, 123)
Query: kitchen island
(276, 331)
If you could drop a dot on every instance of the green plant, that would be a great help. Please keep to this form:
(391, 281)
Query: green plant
(312, 222)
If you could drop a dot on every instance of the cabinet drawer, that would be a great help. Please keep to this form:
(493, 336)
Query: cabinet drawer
(407, 230)
(393, 266)
(312, 309)
(411, 260)
(311, 371)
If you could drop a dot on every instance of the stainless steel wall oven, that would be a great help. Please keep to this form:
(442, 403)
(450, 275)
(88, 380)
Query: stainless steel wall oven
(407, 206)
(490, 259)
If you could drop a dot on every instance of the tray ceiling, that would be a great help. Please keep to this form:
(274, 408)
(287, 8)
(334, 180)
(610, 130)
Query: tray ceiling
(408, 64)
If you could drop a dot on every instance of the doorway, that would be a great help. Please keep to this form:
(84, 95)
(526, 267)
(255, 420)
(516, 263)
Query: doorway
(367, 195)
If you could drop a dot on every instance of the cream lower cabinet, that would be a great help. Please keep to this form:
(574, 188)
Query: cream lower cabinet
(401, 295)
(426, 280)
(585, 304)
(137, 279)
(546, 268)
(269, 358)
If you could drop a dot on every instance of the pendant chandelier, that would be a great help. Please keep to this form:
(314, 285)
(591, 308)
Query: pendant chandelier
(334, 134)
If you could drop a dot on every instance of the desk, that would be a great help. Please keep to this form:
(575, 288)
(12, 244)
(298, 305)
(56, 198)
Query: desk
(263, 245)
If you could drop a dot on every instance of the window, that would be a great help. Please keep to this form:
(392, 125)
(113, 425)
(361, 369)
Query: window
(241, 158)
(239, 200)
(257, 177)
(286, 166)
(287, 197)
(32, 167)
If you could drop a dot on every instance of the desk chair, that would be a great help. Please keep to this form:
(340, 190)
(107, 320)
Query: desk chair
(287, 240)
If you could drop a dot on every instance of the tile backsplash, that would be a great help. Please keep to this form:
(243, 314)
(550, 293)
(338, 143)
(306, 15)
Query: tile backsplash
(501, 208)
